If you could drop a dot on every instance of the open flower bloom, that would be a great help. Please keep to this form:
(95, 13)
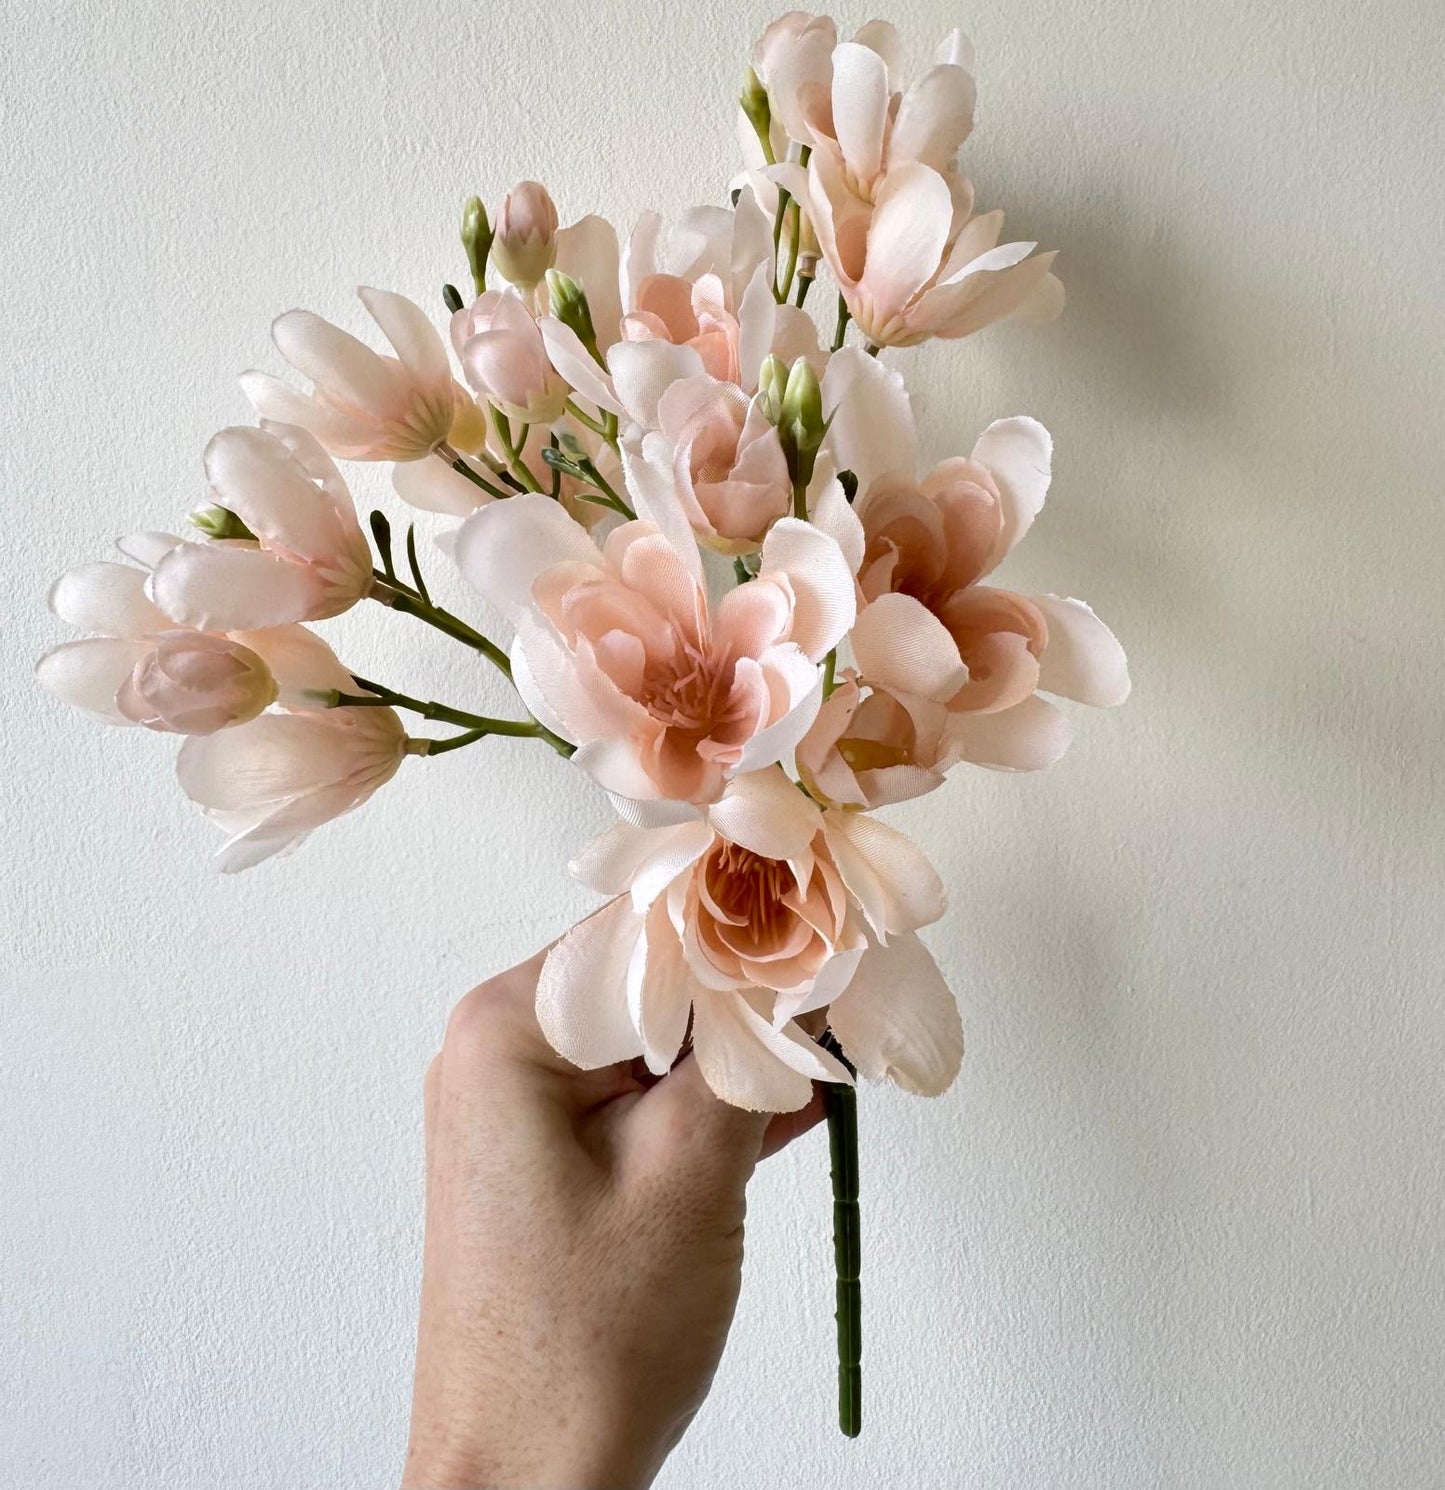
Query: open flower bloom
(365, 406)
(310, 559)
(700, 304)
(912, 263)
(502, 353)
(703, 455)
(270, 782)
(718, 456)
(932, 635)
(620, 652)
(764, 911)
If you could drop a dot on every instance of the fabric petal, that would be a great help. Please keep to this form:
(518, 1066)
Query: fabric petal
(642, 371)
(885, 871)
(1031, 735)
(660, 991)
(417, 343)
(577, 365)
(824, 594)
(1083, 659)
(900, 645)
(232, 587)
(1018, 453)
(872, 433)
(107, 599)
(504, 546)
(898, 1020)
(765, 812)
(88, 674)
(582, 989)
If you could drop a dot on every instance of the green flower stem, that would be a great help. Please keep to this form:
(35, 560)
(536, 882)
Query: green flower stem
(841, 329)
(800, 500)
(784, 197)
(477, 725)
(841, 1106)
(401, 597)
(805, 283)
(520, 469)
(454, 459)
(795, 238)
(595, 425)
(830, 667)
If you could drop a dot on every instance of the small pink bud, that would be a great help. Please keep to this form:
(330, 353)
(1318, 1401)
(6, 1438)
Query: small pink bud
(525, 245)
(194, 683)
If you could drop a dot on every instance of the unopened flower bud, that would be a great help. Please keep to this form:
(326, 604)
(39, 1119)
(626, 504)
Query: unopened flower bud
(758, 112)
(477, 240)
(194, 683)
(525, 243)
(802, 427)
(220, 522)
(772, 381)
(569, 305)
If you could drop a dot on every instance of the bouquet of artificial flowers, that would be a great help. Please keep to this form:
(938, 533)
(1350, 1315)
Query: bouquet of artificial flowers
(735, 601)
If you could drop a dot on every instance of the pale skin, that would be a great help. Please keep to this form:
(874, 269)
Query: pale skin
(584, 1246)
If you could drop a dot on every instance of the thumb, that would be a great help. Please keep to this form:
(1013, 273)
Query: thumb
(680, 1124)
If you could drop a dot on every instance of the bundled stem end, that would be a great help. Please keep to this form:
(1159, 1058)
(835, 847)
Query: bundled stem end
(841, 1106)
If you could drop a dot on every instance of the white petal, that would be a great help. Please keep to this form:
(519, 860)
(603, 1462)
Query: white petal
(765, 812)
(1083, 659)
(832, 513)
(587, 252)
(934, 118)
(503, 547)
(824, 595)
(417, 343)
(647, 473)
(912, 217)
(860, 107)
(660, 991)
(256, 476)
(300, 662)
(872, 433)
(147, 549)
(107, 599)
(616, 766)
(835, 976)
(1027, 737)
(1019, 454)
(225, 587)
(898, 1019)
(642, 371)
(88, 674)
(780, 739)
(582, 990)
(885, 872)
(577, 365)
(613, 860)
(750, 1064)
(335, 360)
(901, 646)
(432, 486)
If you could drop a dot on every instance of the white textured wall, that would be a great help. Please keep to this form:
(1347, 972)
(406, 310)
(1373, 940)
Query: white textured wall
(1179, 1225)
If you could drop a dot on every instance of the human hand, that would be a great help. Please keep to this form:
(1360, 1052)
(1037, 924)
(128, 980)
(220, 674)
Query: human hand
(584, 1245)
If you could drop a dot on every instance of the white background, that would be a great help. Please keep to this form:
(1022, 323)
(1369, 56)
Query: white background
(1179, 1223)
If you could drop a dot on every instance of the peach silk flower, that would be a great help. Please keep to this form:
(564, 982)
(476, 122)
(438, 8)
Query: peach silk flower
(765, 910)
(960, 665)
(619, 651)
(363, 405)
(270, 781)
(702, 299)
(309, 559)
(503, 355)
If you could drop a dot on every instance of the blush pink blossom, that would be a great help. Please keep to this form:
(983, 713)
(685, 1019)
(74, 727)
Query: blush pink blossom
(309, 559)
(365, 406)
(619, 650)
(761, 913)
(505, 360)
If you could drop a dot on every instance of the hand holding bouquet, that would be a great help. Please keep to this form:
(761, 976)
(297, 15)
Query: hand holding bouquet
(737, 601)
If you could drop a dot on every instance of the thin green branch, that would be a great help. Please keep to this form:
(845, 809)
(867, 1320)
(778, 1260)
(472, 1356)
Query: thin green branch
(840, 1104)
